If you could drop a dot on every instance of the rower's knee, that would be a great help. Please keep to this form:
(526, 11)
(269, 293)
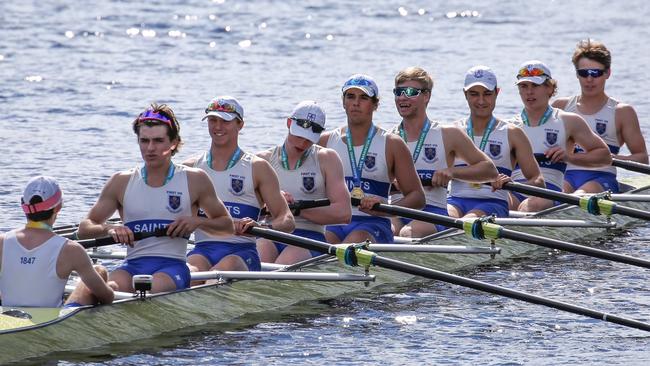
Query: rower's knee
(231, 263)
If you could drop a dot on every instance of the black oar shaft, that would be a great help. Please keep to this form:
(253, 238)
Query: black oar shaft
(502, 291)
(100, 242)
(631, 165)
(571, 199)
(514, 235)
(450, 278)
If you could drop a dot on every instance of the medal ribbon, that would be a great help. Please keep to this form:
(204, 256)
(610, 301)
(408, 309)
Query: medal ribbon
(486, 133)
(357, 168)
(423, 134)
(170, 173)
(545, 117)
(285, 158)
(234, 158)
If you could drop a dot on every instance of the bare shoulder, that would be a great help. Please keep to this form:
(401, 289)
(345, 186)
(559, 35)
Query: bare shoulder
(451, 132)
(119, 180)
(72, 249)
(191, 161)
(327, 155)
(570, 117)
(260, 165)
(265, 154)
(625, 110)
(560, 102)
(325, 136)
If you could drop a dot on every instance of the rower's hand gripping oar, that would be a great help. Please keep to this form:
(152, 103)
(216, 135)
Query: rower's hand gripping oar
(481, 229)
(99, 242)
(354, 255)
(296, 206)
(596, 204)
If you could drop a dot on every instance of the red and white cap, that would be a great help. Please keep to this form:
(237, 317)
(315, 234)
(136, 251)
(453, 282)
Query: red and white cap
(45, 187)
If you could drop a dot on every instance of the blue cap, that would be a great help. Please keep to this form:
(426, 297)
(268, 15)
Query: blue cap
(363, 82)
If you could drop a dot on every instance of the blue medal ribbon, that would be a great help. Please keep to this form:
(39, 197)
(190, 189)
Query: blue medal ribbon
(170, 173)
(486, 133)
(285, 158)
(545, 117)
(234, 158)
(423, 134)
(357, 168)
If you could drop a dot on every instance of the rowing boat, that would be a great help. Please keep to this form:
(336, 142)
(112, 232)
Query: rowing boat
(233, 296)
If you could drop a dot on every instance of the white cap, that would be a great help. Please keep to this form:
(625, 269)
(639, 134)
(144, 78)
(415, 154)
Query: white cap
(480, 75)
(44, 187)
(225, 107)
(534, 71)
(307, 110)
(363, 82)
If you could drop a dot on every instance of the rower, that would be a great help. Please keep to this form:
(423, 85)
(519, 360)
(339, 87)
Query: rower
(372, 159)
(245, 183)
(550, 131)
(433, 148)
(615, 122)
(504, 143)
(35, 263)
(159, 194)
(307, 172)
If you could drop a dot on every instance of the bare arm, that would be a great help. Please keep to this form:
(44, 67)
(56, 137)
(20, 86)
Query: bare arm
(597, 152)
(76, 255)
(524, 156)
(191, 161)
(401, 168)
(109, 201)
(479, 167)
(268, 188)
(627, 125)
(339, 211)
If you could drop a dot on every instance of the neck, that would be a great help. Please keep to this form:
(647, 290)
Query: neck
(596, 100)
(221, 155)
(42, 225)
(359, 132)
(413, 125)
(479, 123)
(156, 175)
(535, 114)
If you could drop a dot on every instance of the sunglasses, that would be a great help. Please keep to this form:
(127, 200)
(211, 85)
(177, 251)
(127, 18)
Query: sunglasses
(535, 71)
(594, 73)
(222, 107)
(305, 123)
(409, 91)
(150, 115)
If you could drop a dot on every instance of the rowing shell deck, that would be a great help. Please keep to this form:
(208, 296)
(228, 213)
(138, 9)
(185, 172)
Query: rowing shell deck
(130, 319)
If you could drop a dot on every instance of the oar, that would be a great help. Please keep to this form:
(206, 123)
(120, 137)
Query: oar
(592, 204)
(353, 255)
(631, 165)
(296, 206)
(481, 229)
(99, 242)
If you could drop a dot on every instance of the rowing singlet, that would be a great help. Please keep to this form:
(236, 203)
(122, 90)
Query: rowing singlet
(304, 183)
(432, 157)
(236, 189)
(149, 208)
(28, 277)
(550, 134)
(603, 123)
(374, 178)
(496, 148)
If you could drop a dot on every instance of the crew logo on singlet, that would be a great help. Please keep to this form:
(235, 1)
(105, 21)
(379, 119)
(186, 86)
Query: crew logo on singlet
(370, 164)
(430, 153)
(551, 138)
(495, 150)
(601, 126)
(308, 182)
(237, 185)
(174, 201)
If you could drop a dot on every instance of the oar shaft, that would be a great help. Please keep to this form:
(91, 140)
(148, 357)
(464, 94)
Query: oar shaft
(631, 165)
(450, 278)
(514, 235)
(100, 242)
(502, 291)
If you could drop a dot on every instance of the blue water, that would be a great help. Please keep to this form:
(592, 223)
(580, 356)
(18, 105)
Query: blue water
(75, 73)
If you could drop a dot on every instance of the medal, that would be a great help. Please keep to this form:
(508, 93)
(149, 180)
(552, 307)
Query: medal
(475, 185)
(357, 193)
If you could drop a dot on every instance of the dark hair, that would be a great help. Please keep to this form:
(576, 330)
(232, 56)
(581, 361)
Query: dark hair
(173, 131)
(592, 50)
(39, 216)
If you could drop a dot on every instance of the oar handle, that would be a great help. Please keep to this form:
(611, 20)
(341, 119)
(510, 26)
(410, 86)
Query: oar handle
(296, 206)
(631, 165)
(99, 242)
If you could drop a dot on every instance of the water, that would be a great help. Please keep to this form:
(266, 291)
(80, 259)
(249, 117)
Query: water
(75, 74)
